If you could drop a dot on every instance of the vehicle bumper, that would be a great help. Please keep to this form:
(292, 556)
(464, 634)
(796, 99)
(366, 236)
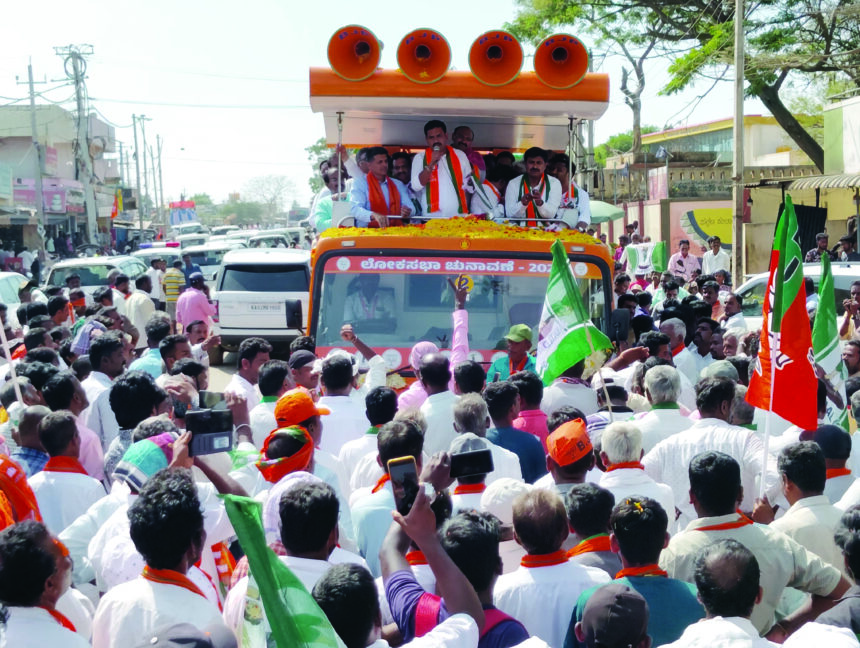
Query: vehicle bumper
(232, 337)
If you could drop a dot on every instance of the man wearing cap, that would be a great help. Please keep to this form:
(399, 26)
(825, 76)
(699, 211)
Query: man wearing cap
(519, 343)
(302, 370)
(193, 304)
(615, 617)
(570, 456)
(541, 593)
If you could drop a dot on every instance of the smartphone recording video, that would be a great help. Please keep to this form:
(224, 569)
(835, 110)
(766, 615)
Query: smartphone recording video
(404, 482)
(211, 431)
(470, 464)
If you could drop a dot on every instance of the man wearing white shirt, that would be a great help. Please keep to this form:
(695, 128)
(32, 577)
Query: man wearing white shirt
(380, 408)
(471, 415)
(569, 389)
(662, 389)
(156, 274)
(107, 356)
(139, 307)
(439, 174)
(574, 199)
(733, 317)
(273, 382)
(700, 347)
(438, 409)
(682, 358)
(253, 354)
(715, 258)
(533, 197)
(347, 421)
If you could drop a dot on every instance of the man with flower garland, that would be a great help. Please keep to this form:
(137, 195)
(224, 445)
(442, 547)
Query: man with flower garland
(377, 200)
(534, 196)
(439, 174)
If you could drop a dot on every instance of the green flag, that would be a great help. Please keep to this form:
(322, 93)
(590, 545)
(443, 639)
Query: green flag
(644, 258)
(295, 619)
(825, 344)
(566, 334)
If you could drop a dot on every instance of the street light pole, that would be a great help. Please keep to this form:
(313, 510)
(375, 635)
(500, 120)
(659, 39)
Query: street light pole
(738, 157)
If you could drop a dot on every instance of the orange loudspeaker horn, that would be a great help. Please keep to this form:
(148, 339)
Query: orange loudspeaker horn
(495, 58)
(353, 52)
(561, 61)
(424, 56)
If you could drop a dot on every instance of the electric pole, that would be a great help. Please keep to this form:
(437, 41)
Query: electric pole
(121, 172)
(738, 158)
(137, 172)
(76, 67)
(158, 198)
(143, 119)
(40, 161)
(161, 219)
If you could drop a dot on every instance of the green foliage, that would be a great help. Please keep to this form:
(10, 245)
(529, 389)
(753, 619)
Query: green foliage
(618, 143)
(241, 213)
(201, 200)
(317, 152)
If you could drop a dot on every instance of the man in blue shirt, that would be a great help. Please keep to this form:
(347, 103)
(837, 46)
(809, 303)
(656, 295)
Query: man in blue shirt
(30, 454)
(503, 404)
(189, 268)
(373, 202)
(157, 328)
(519, 343)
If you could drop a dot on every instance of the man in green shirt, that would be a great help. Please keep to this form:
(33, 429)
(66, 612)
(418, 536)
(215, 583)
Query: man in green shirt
(519, 343)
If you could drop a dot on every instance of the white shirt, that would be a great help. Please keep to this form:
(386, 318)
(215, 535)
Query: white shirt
(515, 210)
(262, 422)
(660, 424)
(465, 502)
(712, 262)
(505, 464)
(156, 276)
(457, 631)
(701, 361)
(541, 598)
(99, 416)
(63, 496)
(138, 309)
(850, 498)
(735, 321)
(627, 482)
(669, 461)
(686, 364)
(346, 422)
(242, 387)
(34, 627)
(720, 632)
(438, 409)
(132, 611)
(487, 200)
(562, 393)
(812, 521)
(353, 452)
(836, 487)
(448, 201)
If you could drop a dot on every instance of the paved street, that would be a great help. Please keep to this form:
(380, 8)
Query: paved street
(220, 376)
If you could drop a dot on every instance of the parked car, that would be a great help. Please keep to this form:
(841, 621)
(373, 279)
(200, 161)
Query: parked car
(94, 271)
(209, 255)
(10, 284)
(189, 228)
(221, 230)
(169, 252)
(261, 292)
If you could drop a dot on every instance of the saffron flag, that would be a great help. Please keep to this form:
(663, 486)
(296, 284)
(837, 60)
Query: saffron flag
(644, 258)
(295, 619)
(825, 345)
(114, 210)
(784, 380)
(566, 333)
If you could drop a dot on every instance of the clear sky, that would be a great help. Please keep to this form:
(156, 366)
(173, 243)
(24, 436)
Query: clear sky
(225, 83)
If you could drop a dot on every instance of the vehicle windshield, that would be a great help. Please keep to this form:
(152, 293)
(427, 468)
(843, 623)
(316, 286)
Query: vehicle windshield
(396, 301)
(207, 257)
(91, 275)
(265, 278)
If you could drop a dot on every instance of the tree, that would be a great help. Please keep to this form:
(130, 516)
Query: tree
(202, 200)
(317, 152)
(241, 213)
(616, 144)
(271, 192)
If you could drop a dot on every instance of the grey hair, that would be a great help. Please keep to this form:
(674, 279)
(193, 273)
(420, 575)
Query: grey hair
(153, 426)
(470, 414)
(622, 442)
(742, 412)
(413, 415)
(663, 384)
(676, 325)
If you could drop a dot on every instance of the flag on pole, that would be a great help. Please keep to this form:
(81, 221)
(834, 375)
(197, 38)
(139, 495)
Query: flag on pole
(644, 258)
(784, 381)
(114, 210)
(825, 344)
(295, 619)
(566, 335)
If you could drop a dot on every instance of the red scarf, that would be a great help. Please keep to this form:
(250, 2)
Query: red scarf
(470, 489)
(170, 577)
(644, 570)
(837, 472)
(64, 465)
(377, 198)
(13, 483)
(545, 560)
(742, 521)
(531, 209)
(593, 544)
(60, 618)
(19, 352)
(273, 470)
(678, 350)
(432, 188)
(625, 464)
(493, 189)
(416, 558)
(382, 482)
(520, 366)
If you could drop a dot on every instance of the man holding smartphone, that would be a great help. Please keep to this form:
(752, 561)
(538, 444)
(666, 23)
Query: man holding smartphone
(534, 196)
(684, 264)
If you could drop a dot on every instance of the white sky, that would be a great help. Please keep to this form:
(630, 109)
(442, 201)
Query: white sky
(169, 60)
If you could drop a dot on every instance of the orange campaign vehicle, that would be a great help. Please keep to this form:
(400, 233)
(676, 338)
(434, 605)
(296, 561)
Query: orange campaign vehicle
(391, 283)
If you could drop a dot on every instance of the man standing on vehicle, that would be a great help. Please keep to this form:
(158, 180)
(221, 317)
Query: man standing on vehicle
(573, 196)
(193, 304)
(439, 174)
(534, 196)
(401, 169)
(376, 197)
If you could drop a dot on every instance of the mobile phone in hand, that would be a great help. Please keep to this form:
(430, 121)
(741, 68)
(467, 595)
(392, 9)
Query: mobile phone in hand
(211, 431)
(470, 464)
(404, 482)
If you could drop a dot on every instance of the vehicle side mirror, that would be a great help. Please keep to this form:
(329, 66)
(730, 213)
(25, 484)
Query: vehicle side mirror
(294, 314)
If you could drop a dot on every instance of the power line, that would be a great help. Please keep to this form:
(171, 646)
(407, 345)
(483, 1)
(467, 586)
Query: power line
(189, 105)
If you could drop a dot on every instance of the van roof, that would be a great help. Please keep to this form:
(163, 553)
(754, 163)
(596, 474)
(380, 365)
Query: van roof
(266, 256)
(213, 245)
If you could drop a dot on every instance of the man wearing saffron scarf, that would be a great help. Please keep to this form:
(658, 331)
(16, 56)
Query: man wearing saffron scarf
(574, 199)
(534, 196)
(541, 593)
(166, 525)
(439, 174)
(376, 198)
(63, 489)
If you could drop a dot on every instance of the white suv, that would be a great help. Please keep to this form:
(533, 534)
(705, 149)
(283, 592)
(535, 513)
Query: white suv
(261, 292)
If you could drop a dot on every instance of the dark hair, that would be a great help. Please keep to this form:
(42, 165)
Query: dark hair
(121, 278)
(56, 431)
(303, 342)
(639, 525)
(589, 508)
(103, 292)
(250, 347)
(133, 396)
(82, 366)
(401, 155)
(157, 328)
(738, 297)
(561, 158)
(34, 309)
(26, 563)
(671, 285)
(166, 519)
(471, 540)
(373, 151)
(847, 538)
(167, 346)
(535, 152)
(35, 338)
(742, 365)
(7, 391)
(804, 465)
(347, 595)
(727, 577)
(308, 514)
(500, 397)
(104, 345)
(59, 391)
(153, 426)
(188, 367)
(380, 405)
(561, 416)
(435, 123)
(530, 387)
(653, 340)
(435, 370)
(141, 280)
(470, 377)
(57, 304)
(715, 481)
(272, 376)
(621, 277)
(627, 297)
(507, 155)
(38, 373)
(644, 298)
(399, 439)
(42, 354)
(336, 372)
(191, 325)
(712, 392)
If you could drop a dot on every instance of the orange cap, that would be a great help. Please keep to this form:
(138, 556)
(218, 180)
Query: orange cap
(569, 443)
(296, 406)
